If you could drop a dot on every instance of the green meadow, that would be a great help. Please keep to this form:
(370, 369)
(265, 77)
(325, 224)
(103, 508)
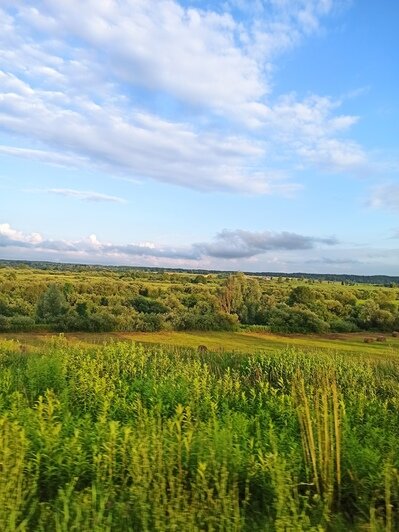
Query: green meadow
(124, 436)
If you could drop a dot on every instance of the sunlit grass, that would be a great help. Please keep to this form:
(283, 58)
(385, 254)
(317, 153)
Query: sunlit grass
(244, 341)
(134, 437)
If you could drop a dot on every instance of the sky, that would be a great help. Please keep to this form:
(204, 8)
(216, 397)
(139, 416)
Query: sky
(252, 135)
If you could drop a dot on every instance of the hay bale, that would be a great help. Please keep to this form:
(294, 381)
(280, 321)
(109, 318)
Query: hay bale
(368, 340)
(202, 349)
(381, 339)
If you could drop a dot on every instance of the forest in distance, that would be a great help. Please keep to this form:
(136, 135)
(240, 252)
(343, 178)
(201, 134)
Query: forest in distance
(346, 278)
(56, 297)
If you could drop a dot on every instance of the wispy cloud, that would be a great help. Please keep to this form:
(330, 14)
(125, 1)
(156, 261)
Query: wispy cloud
(50, 157)
(385, 197)
(84, 195)
(334, 261)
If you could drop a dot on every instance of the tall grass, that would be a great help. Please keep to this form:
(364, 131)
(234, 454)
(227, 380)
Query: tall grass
(125, 437)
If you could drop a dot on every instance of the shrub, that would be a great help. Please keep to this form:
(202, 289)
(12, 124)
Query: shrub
(344, 326)
(148, 305)
(22, 323)
(4, 323)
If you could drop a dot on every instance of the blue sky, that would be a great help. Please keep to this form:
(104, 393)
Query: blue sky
(259, 136)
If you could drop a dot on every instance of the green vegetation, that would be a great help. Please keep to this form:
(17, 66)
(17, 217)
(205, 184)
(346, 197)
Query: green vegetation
(98, 299)
(235, 427)
(131, 437)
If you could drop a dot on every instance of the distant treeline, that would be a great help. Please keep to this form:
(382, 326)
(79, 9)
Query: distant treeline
(84, 298)
(346, 278)
(378, 280)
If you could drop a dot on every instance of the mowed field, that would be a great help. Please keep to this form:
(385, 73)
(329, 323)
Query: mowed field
(246, 342)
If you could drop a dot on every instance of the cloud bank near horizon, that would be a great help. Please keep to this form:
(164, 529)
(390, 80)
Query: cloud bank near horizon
(227, 245)
(229, 250)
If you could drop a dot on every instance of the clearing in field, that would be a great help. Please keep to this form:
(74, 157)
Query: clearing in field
(247, 342)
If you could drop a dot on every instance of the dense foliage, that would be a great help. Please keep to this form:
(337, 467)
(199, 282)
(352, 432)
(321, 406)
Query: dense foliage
(123, 437)
(101, 299)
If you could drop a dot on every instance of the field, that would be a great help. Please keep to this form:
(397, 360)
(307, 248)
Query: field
(128, 436)
(246, 342)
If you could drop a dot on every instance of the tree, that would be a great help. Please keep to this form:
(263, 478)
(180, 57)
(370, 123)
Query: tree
(51, 305)
(302, 295)
(81, 309)
(371, 316)
(249, 313)
(296, 319)
(232, 293)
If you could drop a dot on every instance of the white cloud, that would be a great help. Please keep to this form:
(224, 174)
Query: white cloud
(10, 236)
(335, 155)
(310, 129)
(50, 157)
(139, 145)
(160, 45)
(73, 91)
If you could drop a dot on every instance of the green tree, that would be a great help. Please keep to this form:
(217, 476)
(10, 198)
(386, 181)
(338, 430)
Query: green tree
(301, 295)
(231, 297)
(51, 305)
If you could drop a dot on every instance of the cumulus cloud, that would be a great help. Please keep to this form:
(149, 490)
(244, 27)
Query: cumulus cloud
(144, 146)
(196, 53)
(89, 94)
(87, 248)
(161, 45)
(312, 131)
(12, 237)
(227, 245)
